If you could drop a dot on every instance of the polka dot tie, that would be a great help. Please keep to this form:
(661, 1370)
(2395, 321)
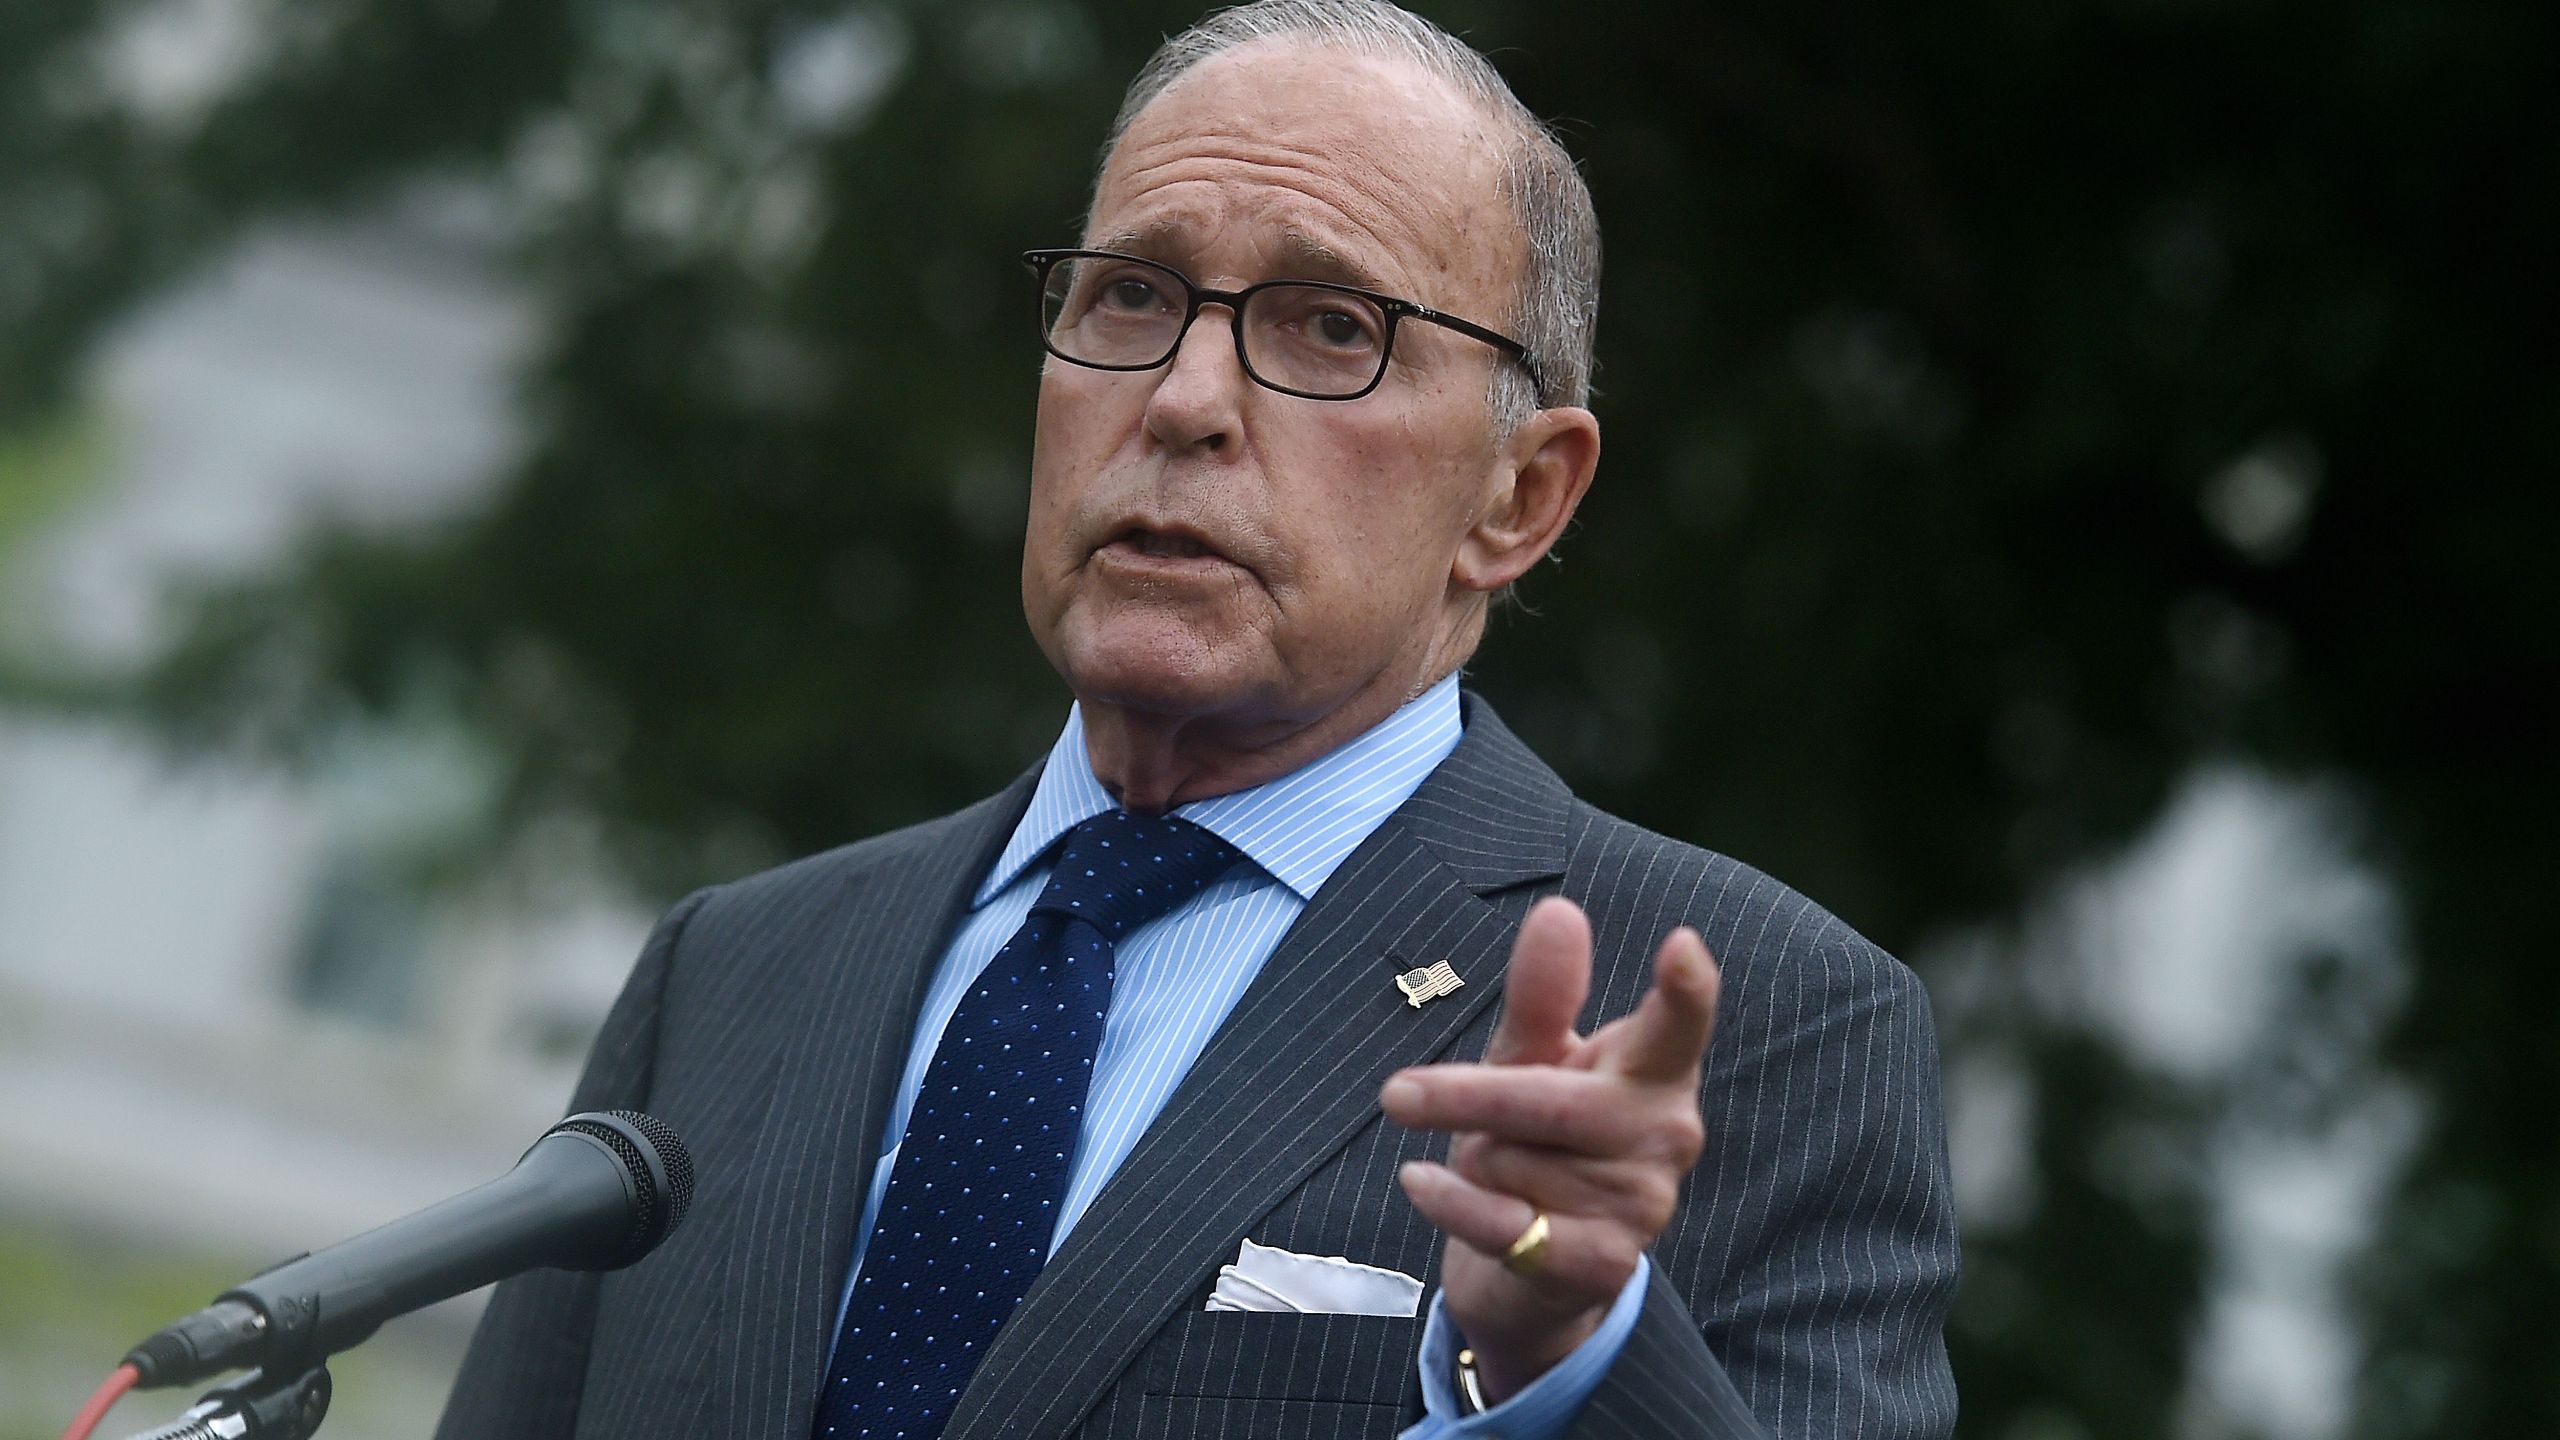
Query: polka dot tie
(973, 1199)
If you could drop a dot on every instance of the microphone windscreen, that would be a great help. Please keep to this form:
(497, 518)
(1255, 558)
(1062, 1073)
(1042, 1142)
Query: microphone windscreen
(660, 1167)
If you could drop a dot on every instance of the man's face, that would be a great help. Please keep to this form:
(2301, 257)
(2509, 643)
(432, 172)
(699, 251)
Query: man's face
(1201, 546)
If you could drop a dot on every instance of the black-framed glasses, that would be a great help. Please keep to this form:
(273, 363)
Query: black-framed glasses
(1309, 338)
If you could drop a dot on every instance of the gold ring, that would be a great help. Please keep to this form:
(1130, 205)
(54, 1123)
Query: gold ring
(1529, 1251)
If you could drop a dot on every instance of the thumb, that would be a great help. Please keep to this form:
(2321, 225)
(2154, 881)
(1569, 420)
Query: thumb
(1543, 991)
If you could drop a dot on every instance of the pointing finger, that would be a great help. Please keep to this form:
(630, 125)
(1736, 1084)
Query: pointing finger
(1665, 1039)
(1543, 990)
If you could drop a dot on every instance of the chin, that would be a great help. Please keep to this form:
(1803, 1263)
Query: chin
(1155, 664)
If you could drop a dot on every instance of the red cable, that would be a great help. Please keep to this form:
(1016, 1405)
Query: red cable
(99, 1404)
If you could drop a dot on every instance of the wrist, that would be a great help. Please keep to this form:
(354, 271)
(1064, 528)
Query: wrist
(1501, 1366)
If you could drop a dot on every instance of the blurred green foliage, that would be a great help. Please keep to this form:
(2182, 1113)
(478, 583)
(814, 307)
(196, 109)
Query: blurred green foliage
(72, 1300)
(72, 1307)
(2007, 407)
(41, 468)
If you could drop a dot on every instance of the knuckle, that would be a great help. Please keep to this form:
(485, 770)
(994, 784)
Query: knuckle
(1613, 1257)
(1686, 1135)
(1475, 1170)
(1657, 1198)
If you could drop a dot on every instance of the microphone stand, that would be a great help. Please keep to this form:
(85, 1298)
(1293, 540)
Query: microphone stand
(254, 1407)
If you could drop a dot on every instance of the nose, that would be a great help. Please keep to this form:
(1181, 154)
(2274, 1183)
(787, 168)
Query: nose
(1199, 393)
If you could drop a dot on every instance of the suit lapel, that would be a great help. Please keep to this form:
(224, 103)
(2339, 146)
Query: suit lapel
(1292, 1075)
(816, 1149)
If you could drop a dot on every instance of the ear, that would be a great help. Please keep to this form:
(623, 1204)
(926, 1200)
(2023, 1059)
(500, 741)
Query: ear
(1538, 479)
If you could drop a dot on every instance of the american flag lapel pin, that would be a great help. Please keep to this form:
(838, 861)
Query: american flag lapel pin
(1428, 983)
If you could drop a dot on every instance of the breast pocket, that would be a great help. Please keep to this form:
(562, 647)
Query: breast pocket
(1246, 1360)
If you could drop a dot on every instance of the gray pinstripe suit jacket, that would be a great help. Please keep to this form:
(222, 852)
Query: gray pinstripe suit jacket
(1800, 1291)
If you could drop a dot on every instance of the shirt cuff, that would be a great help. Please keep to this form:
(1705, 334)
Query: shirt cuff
(1544, 1408)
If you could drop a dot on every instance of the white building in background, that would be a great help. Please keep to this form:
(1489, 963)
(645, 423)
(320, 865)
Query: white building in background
(225, 1026)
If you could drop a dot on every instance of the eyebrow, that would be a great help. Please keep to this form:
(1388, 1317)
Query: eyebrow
(1302, 256)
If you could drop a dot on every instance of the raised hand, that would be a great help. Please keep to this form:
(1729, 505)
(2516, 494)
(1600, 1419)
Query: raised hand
(1594, 1132)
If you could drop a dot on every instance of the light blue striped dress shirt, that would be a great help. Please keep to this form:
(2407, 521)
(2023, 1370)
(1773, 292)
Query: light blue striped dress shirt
(1178, 976)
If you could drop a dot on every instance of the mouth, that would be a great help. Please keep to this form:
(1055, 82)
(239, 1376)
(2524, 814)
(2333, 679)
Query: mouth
(1163, 544)
(1161, 547)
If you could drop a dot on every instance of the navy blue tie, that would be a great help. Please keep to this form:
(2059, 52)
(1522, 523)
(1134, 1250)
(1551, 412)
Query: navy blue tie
(973, 1199)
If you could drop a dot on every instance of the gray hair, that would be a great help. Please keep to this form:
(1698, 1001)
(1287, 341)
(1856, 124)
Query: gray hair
(1557, 310)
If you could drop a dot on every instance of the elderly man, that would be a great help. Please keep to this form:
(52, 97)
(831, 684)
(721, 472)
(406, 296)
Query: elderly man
(1290, 1053)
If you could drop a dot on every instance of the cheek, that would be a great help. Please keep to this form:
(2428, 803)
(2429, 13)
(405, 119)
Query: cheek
(1374, 560)
(1069, 444)
(1049, 511)
(1059, 426)
(1402, 508)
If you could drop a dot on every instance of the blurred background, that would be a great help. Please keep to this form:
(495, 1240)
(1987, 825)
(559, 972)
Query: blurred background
(2078, 503)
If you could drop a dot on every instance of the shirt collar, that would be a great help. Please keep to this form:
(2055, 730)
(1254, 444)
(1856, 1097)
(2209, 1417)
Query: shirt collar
(1299, 828)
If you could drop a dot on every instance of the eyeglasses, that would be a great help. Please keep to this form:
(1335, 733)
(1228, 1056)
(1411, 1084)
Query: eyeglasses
(1308, 338)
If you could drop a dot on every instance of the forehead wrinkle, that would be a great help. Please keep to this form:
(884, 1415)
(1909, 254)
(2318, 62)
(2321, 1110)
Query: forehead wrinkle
(1302, 254)
(1206, 159)
(1396, 238)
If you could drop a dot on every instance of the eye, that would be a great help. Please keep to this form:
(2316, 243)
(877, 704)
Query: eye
(1130, 292)
(1327, 319)
(1340, 328)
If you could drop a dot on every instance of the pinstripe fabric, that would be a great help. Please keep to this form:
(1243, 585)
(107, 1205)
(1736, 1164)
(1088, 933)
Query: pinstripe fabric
(1800, 1290)
(1179, 977)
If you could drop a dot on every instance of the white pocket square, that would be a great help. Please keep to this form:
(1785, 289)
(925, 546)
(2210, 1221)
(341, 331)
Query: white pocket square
(1269, 1279)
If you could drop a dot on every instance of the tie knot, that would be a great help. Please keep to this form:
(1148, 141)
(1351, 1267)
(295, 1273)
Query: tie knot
(1119, 871)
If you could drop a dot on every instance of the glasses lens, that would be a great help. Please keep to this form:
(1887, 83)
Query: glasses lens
(1315, 340)
(1106, 311)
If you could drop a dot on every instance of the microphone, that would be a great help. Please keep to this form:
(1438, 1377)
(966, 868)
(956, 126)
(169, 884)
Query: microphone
(596, 1192)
